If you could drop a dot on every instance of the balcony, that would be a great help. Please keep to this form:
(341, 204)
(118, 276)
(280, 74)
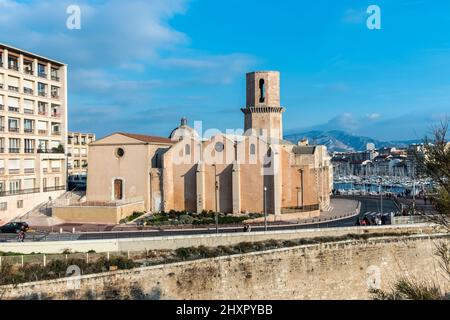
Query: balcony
(58, 188)
(14, 150)
(13, 88)
(55, 78)
(28, 111)
(14, 67)
(2, 150)
(16, 192)
(1, 85)
(29, 71)
(2, 128)
(14, 171)
(42, 131)
(13, 129)
(56, 170)
(42, 112)
(13, 109)
(42, 74)
(29, 150)
(54, 150)
(42, 93)
(2, 106)
(56, 114)
(28, 170)
(27, 130)
(56, 133)
(28, 91)
(55, 95)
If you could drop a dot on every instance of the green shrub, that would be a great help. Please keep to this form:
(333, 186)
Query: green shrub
(185, 219)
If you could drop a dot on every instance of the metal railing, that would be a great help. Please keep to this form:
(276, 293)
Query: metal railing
(399, 220)
(307, 208)
(28, 90)
(13, 109)
(50, 151)
(57, 188)
(18, 192)
(13, 88)
(115, 203)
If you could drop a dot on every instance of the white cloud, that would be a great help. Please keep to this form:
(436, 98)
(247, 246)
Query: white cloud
(124, 53)
(112, 32)
(373, 116)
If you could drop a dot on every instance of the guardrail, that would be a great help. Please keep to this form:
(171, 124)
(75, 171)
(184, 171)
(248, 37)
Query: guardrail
(414, 219)
(44, 259)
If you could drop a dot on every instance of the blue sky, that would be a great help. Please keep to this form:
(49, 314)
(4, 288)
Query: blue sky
(139, 66)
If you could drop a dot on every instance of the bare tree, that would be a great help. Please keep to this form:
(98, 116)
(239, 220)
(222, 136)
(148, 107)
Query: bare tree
(434, 161)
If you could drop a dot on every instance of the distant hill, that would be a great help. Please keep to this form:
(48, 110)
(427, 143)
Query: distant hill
(340, 141)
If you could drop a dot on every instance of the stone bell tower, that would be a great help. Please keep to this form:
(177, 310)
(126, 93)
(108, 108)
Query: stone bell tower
(263, 112)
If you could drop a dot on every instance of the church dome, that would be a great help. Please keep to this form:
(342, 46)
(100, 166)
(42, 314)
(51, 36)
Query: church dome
(183, 131)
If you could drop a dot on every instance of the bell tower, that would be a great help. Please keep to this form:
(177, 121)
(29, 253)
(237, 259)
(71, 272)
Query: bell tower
(263, 112)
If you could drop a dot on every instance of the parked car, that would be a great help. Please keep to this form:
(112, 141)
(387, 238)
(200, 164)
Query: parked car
(14, 227)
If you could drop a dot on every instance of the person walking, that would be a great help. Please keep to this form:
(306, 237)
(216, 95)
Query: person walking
(21, 235)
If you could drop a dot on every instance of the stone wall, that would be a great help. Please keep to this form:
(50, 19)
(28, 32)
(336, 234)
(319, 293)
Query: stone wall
(207, 240)
(97, 214)
(339, 270)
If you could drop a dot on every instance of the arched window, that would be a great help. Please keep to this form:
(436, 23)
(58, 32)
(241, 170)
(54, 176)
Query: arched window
(262, 90)
(252, 149)
(187, 149)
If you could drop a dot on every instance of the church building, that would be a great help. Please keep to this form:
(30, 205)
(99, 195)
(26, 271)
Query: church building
(252, 172)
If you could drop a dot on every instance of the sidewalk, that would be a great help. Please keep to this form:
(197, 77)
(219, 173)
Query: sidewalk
(340, 208)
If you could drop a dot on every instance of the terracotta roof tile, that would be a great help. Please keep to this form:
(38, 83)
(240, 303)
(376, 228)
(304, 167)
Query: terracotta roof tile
(148, 139)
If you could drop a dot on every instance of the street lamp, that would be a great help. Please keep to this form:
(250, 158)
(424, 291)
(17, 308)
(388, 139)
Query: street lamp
(265, 208)
(381, 199)
(216, 184)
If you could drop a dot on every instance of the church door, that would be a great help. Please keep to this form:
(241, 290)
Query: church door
(118, 189)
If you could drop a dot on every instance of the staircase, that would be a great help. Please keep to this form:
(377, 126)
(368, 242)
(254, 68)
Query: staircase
(42, 214)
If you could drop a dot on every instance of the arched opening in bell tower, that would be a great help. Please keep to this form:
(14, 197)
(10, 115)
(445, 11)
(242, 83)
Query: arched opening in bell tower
(262, 91)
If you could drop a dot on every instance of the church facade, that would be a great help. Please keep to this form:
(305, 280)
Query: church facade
(255, 171)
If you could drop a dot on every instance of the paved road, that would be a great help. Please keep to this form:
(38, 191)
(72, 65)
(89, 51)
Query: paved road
(369, 206)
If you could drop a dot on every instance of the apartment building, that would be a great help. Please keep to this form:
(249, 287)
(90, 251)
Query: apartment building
(77, 151)
(33, 130)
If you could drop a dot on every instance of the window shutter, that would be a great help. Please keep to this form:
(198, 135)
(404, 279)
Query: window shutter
(13, 164)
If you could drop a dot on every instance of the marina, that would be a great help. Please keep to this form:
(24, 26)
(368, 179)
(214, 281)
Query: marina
(373, 185)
